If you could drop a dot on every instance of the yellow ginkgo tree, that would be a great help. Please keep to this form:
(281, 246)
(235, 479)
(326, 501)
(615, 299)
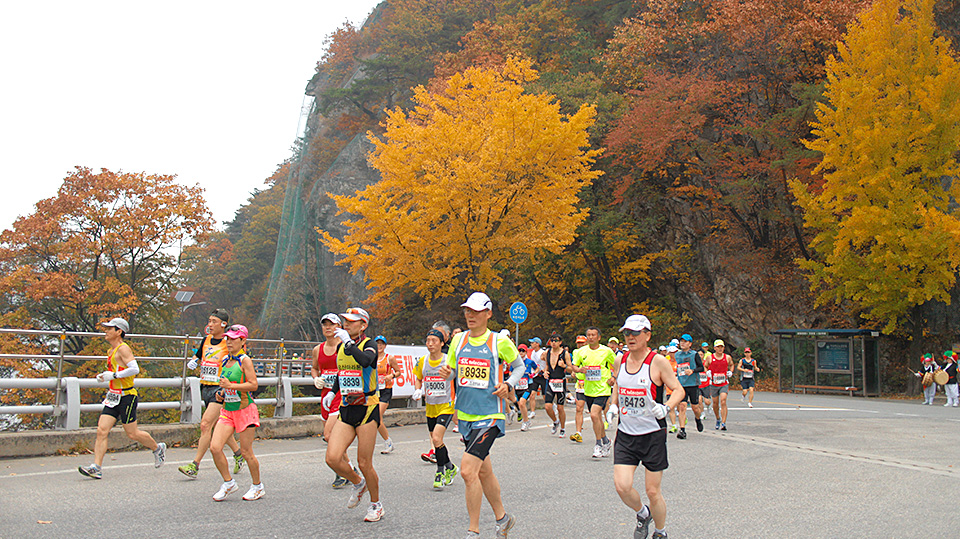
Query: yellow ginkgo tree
(477, 176)
(886, 236)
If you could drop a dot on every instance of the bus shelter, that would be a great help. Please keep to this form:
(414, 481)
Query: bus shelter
(823, 360)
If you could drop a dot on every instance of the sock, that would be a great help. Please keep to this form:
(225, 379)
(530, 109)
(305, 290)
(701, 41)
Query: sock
(683, 429)
(197, 464)
(660, 530)
(258, 486)
(599, 443)
(442, 456)
(503, 519)
(237, 454)
(605, 440)
(230, 483)
(643, 513)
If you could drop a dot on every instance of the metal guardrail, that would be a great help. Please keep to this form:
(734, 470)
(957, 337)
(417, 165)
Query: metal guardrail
(280, 372)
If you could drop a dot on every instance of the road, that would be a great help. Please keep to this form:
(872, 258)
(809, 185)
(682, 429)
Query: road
(794, 466)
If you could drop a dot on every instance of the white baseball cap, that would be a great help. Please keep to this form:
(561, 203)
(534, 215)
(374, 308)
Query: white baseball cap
(118, 323)
(672, 348)
(332, 318)
(636, 322)
(478, 301)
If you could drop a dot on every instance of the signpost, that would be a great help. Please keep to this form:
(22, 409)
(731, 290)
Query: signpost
(518, 313)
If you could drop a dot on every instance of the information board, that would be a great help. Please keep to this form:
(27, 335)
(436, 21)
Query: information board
(833, 356)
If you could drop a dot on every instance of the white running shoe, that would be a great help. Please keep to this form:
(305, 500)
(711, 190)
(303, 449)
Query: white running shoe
(358, 491)
(743, 398)
(524, 426)
(750, 405)
(456, 428)
(553, 428)
(531, 414)
(225, 490)
(374, 512)
(255, 493)
(159, 454)
(387, 447)
(605, 450)
(597, 451)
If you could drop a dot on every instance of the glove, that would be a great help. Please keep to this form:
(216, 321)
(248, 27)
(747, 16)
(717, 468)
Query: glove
(342, 334)
(192, 364)
(612, 413)
(318, 382)
(417, 394)
(729, 374)
(917, 374)
(660, 410)
(327, 400)
(105, 376)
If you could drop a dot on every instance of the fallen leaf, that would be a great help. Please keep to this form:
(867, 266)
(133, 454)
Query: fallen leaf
(44, 522)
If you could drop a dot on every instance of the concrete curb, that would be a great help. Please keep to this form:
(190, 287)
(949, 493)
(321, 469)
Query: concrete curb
(41, 443)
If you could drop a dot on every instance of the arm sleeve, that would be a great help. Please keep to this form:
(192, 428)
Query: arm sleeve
(516, 373)
(132, 370)
(365, 357)
(699, 363)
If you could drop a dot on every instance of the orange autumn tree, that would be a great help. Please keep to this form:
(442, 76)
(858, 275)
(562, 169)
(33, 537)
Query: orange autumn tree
(466, 174)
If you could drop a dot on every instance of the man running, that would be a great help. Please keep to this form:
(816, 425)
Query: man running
(581, 399)
(672, 350)
(558, 365)
(324, 371)
(538, 380)
(120, 403)
(439, 393)
(614, 344)
(595, 361)
(641, 378)
(359, 410)
(444, 328)
(721, 369)
(689, 368)
(704, 354)
(524, 389)
(746, 367)
(209, 357)
(478, 357)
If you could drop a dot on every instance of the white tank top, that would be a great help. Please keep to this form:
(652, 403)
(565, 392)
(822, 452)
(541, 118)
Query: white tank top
(637, 397)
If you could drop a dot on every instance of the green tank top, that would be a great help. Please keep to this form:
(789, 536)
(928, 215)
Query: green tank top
(233, 399)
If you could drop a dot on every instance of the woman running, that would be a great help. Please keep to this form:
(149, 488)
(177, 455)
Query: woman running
(438, 392)
(388, 368)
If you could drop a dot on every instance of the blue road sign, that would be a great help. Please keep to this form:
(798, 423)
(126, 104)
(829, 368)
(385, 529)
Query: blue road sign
(518, 312)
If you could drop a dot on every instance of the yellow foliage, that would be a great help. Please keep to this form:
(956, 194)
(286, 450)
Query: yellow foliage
(475, 177)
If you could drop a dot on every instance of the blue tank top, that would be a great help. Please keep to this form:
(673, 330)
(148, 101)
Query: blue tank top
(687, 360)
(477, 374)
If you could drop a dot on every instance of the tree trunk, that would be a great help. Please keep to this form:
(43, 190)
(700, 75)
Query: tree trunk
(916, 349)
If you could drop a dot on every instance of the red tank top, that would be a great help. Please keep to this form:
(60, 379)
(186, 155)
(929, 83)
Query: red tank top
(718, 370)
(327, 365)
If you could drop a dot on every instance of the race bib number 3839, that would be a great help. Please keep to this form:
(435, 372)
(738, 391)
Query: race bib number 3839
(350, 382)
(473, 372)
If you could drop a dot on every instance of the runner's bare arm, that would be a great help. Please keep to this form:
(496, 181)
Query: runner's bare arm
(315, 361)
(669, 379)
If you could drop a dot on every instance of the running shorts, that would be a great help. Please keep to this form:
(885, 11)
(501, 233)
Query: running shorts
(747, 383)
(241, 419)
(386, 395)
(600, 401)
(550, 396)
(692, 394)
(649, 449)
(359, 414)
(479, 441)
(443, 420)
(125, 411)
(209, 395)
(715, 391)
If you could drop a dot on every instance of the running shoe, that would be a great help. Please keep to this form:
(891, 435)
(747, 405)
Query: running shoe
(429, 456)
(643, 525)
(723, 426)
(750, 405)
(659, 535)
(238, 463)
(718, 425)
(606, 424)
(509, 416)
(524, 426)
(255, 493)
(703, 415)
(472, 535)
(597, 452)
(562, 433)
(387, 447)
(699, 425)
(340, 482)
(576, 437)
(92, 471)
(531, 414)
(743, 398)
(605, 449)
(553, 429)
(673, 428)
(190, 470)
(358, 491)
(159, 455)
(450, 474)
(682, 435)
(374, 512)
(438, 481)
(456, 427)
(225, 490)
(508, 522)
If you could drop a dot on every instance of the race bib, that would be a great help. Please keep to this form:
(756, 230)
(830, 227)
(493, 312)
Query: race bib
(209, 373)
(112, 398)
(704, 377)
(351, 382)
(682, 368)
(556, 385)
(719, 379)
(329, 377)
(435, 386)
(381, 381)
(473, 372)
(593, 374)
(579, 386)
(231, 395)
(523, 384)
(633, 401)
(748, 373)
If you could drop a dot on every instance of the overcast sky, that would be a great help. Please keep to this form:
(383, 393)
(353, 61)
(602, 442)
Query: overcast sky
(208, 90)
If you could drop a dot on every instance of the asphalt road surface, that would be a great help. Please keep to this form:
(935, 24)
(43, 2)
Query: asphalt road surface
(794, 466)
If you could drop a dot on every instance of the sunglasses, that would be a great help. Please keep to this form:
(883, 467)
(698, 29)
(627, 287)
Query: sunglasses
(555, 339)
(633, 333)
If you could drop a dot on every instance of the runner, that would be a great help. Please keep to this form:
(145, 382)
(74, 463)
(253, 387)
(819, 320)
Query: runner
(359, 410)
(746, 366)
(324, 372)
(439, 405)
(558, 365)
(641, 434)
(525, 389)
(209, 357)
(388, 368)
(444, 328)
(239, 414)
(594, 361)
(538, 380)
(704, 355)
(689, 368)
(671, 358)
(120, 403)
(614, 344)
(721, 366)
(581, 399)
(478, 357)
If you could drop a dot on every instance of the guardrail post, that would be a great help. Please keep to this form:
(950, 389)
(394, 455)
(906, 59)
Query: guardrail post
(56, 393)
(284, 406)
(186, 408)
(70, 420)
(192, 409)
